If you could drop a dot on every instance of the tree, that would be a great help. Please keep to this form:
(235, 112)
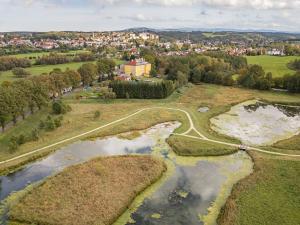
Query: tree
(59, 107)
(88, 73)
(20, 72)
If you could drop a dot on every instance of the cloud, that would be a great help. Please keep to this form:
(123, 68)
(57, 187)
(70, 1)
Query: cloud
(257, 4)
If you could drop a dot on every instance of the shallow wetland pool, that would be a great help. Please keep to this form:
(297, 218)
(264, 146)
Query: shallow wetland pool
(259, 123)
(192, 192)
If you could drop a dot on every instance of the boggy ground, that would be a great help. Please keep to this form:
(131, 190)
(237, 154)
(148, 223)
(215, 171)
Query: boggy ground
(96, 192)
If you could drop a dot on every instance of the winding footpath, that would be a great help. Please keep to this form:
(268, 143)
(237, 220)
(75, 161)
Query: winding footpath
(184, 134)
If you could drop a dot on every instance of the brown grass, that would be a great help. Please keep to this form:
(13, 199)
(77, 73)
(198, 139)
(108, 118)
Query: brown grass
(96, 192)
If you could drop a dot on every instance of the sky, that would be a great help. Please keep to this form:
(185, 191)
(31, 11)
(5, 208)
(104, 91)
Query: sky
(105, 15)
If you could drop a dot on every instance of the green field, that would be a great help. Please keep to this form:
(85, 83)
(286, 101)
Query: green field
(38, 70)
(275, 64)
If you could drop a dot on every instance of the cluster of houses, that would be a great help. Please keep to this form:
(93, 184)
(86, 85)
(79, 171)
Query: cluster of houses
(98, 39)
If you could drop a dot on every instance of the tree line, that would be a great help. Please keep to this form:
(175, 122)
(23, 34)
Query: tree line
(55, 58)
(10, 62)
(26, 95)
(219, 68)
(142, 90)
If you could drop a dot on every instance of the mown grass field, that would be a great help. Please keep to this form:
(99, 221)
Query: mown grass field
(275, 64)
(271, 195)
(185, 146)
(96, 192)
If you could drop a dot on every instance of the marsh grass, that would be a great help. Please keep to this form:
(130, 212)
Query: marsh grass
(270, 195)
(96, 192)
(185, 146)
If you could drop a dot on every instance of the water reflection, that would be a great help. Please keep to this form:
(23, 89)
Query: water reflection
(187, 193)
(258, 123)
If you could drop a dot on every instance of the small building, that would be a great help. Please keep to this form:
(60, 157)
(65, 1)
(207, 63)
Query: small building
(138, 67)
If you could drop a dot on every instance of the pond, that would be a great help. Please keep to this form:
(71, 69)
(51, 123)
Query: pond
(193, 192)
(259, 123)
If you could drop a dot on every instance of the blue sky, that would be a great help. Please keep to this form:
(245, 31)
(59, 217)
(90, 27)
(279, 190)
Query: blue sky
(100, 15)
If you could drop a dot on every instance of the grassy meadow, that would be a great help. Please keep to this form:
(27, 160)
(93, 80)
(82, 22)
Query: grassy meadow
(275, 64)
(270, 195)
(185, 146)
(96, 192)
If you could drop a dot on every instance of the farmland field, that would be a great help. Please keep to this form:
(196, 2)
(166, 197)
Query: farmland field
(275, 64)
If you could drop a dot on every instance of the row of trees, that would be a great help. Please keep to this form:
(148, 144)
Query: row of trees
(55, 58)
(26, 95)
(142, 90)
(19, 97)
(8, 63)
(219, 68)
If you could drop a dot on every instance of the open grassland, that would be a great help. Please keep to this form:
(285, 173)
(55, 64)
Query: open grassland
(185, 146)
(96, 192)
(270, 195)
(275, 64)
(291, 143)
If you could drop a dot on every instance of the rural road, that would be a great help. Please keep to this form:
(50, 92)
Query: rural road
(191, 128)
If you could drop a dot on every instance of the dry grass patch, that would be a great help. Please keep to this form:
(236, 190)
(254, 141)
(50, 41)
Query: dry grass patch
(96, 192)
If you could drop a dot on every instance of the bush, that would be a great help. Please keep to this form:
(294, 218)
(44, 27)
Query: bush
(21, 139)
(97, 114)
(35, 135)
(49, 124)
(13, 143)
(59, 107)
(58, 121)
(20, 72)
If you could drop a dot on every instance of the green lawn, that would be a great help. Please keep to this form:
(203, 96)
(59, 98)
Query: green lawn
(275, 64)
(38, 70)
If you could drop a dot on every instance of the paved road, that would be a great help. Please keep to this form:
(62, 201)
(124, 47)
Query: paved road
(191, 128)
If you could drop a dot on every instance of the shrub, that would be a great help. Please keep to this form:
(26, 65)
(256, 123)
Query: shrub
(58, 121)
(35, 135)
(49, 124)
(59, 107)
(13, 143)
(97, 114)
(21, 139)
(20, 72)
